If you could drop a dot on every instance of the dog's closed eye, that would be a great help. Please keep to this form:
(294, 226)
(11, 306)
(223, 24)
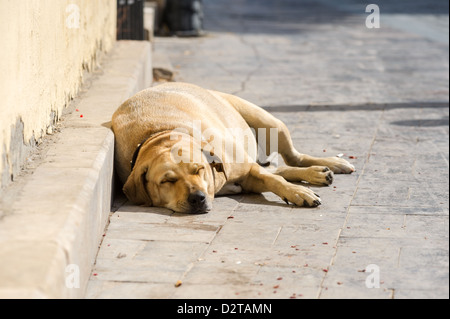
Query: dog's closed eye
(169, 181)
(169, 178)
(165, 181)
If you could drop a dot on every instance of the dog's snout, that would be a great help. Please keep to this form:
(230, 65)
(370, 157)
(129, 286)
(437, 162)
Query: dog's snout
(198, 202)
(197, 198)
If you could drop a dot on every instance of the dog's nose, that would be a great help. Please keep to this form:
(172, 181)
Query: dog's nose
(197, 199)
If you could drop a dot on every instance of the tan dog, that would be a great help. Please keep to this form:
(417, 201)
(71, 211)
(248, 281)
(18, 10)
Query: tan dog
(178, 145)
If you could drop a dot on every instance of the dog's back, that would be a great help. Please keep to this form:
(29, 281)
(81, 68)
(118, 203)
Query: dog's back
(165, 107)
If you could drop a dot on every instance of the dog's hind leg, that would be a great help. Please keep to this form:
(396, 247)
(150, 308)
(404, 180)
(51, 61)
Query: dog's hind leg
(316, 175)
(258, 119)
(336, 164)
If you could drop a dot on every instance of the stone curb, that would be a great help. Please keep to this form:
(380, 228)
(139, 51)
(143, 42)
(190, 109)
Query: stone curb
(49, 240)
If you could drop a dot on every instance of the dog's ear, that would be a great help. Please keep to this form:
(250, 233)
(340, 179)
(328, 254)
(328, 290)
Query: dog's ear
(135, 187)
(215, 161)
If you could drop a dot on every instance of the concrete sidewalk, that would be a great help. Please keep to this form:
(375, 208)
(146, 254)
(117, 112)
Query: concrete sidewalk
(379, 96)
(54, 215)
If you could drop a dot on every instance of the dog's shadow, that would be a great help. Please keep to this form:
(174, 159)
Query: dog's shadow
(265, 199)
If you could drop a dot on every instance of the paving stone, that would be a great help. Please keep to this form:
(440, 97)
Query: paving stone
(227, 273)
(356, 254)
(341, 282)
(151, 261)
(100, 289)
(442, 292)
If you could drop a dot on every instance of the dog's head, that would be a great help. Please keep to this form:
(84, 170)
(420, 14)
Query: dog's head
(180, 184)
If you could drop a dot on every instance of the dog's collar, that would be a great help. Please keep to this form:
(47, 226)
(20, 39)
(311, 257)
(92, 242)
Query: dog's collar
(139, 146)
(136, 153)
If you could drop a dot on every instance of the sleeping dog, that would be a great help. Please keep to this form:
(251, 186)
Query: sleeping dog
(179, 145)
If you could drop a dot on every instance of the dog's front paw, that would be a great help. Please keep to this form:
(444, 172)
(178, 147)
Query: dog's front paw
(339, 165)
(320, 175)
(302, 196)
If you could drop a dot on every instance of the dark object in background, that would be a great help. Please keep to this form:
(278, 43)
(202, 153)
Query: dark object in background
(130, 20)
(184, 17)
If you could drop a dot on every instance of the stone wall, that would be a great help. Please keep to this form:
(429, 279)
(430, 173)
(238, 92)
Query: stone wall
(46, 47)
